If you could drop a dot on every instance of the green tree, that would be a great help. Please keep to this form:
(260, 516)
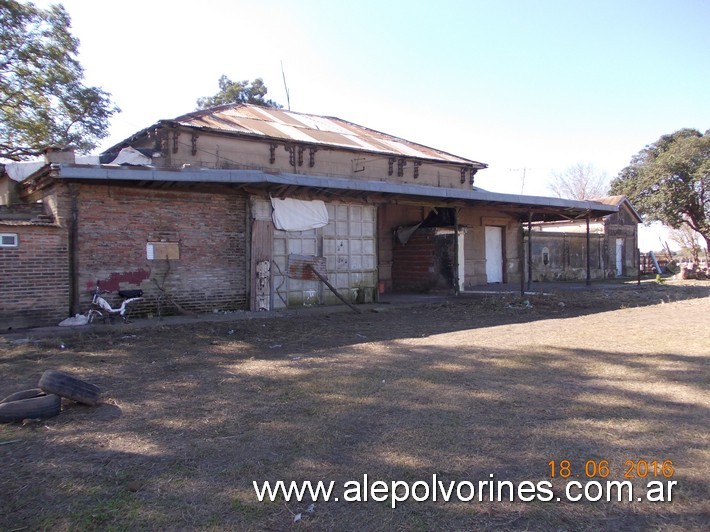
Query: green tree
(43, 99)
(667, 181)
(253, 92)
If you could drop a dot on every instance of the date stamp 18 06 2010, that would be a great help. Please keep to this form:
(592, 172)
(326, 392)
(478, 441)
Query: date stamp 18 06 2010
(631, 469)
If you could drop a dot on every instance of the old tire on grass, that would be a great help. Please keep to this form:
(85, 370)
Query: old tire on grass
(33, 408)
(64, 385)
(24, 394)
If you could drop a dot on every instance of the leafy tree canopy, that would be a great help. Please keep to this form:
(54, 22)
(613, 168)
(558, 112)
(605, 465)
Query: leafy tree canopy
(668, 181)
(43, 99)
(579, 182)
(253, 92)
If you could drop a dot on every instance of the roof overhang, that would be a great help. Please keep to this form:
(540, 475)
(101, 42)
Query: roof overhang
(282, 184)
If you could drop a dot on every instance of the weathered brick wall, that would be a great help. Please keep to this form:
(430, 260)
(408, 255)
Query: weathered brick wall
(389, 218)
(220, 151)
(208, 228)
(424, 263)
(34, 285)
(563, 257)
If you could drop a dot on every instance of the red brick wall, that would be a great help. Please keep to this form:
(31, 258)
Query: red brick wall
(34, 285)
(389, 218)
(423, 263)
(116, 223)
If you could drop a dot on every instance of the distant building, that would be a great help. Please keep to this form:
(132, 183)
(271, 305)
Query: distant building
(559, 247)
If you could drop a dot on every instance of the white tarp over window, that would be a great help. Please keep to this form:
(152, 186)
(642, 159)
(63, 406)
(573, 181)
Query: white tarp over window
(132, 157)
(298, 215)
(19, 171)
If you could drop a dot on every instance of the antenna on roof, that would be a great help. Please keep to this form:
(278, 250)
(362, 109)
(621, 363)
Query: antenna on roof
(522, 179)
(288, 98)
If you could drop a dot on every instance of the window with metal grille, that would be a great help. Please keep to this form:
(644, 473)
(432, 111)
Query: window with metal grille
(9, 240)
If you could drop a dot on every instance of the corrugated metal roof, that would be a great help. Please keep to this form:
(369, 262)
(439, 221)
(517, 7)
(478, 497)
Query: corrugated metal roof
(618, 201)
(611, 200)
(299, 127)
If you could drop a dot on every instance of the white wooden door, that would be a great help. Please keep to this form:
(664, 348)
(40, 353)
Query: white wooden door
(461, 261)
(494, 254)
(619, 257)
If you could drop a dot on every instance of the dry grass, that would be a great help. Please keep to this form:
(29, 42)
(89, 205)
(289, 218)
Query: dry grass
(484, 385)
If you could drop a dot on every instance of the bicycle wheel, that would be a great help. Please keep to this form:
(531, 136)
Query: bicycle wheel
(159, 301)
(95, 315)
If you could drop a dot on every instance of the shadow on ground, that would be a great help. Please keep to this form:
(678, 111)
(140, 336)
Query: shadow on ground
(462, 390)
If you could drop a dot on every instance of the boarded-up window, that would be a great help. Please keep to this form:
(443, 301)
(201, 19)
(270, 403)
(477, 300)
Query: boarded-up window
(163, 251)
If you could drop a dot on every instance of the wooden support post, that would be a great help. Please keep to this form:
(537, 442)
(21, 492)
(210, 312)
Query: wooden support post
(529, 250)
(589, 263)
(522, 260)
(457, 281)
(332, 289)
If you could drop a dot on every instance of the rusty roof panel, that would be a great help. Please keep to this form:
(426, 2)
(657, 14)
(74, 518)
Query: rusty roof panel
(372, 143)
(330, 137)
(293, 133)
(323, 123)
(263, 127)
(217, 122)
(406, 149)
(299, 127)
(611, 200)
(292, 119)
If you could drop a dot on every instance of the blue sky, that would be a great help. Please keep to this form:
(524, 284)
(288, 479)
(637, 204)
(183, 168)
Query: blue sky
(534, 85)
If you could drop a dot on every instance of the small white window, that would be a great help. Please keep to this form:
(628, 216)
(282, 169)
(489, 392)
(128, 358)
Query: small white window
(8, 240)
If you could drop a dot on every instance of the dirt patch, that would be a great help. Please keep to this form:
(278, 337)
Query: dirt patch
(483, 385)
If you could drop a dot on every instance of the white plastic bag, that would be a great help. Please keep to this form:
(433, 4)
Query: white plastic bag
(79, 319)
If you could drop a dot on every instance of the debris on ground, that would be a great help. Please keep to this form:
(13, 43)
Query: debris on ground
(523, 305)
(34, 405)
(74, 321)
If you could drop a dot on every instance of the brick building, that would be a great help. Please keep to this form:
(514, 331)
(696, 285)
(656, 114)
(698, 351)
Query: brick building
(35, 271)
(559, 248)
(235, 207)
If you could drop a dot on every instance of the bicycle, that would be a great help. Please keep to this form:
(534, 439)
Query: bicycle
(101, 309)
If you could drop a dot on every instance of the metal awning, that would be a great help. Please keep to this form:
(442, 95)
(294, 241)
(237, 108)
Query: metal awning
(288, 184)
